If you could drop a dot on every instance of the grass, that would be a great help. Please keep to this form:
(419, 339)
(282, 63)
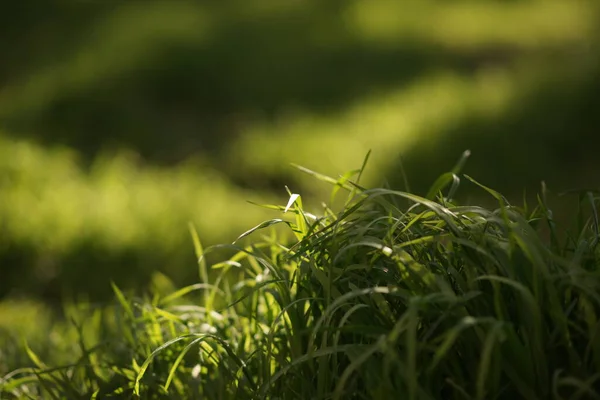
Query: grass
(389, 295)
(67, 226)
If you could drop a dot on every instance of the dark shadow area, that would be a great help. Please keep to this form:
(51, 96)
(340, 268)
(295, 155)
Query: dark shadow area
(33, 33)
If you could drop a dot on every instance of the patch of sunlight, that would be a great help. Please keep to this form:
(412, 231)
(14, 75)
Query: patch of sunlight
(470, 24)
(387, 124)
(18, 315)
(49, 202)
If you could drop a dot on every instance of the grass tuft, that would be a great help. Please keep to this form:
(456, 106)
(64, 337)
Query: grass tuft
(392, 295)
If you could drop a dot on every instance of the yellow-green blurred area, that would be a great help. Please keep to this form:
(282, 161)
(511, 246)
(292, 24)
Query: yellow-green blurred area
(120, 122)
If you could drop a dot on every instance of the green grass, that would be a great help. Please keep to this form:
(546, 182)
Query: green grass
(68, 226)
(390, 295)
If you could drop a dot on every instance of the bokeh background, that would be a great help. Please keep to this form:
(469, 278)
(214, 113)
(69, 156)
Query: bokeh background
(120, 122)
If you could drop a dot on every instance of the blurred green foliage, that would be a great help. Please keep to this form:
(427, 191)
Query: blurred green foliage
(61, 225)
(123, 121)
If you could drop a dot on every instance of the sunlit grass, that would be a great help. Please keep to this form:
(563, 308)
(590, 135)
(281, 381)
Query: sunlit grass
(468, 25)
(461, 334)
(392, 295)
(51, 206)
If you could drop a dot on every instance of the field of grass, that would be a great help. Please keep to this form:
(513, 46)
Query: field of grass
(122, 124)
(385, 295)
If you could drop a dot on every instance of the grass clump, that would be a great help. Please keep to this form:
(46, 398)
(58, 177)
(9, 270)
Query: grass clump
(392, 296)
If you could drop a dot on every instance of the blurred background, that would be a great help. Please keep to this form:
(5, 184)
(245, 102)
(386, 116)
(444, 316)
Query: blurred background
(122, 121)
